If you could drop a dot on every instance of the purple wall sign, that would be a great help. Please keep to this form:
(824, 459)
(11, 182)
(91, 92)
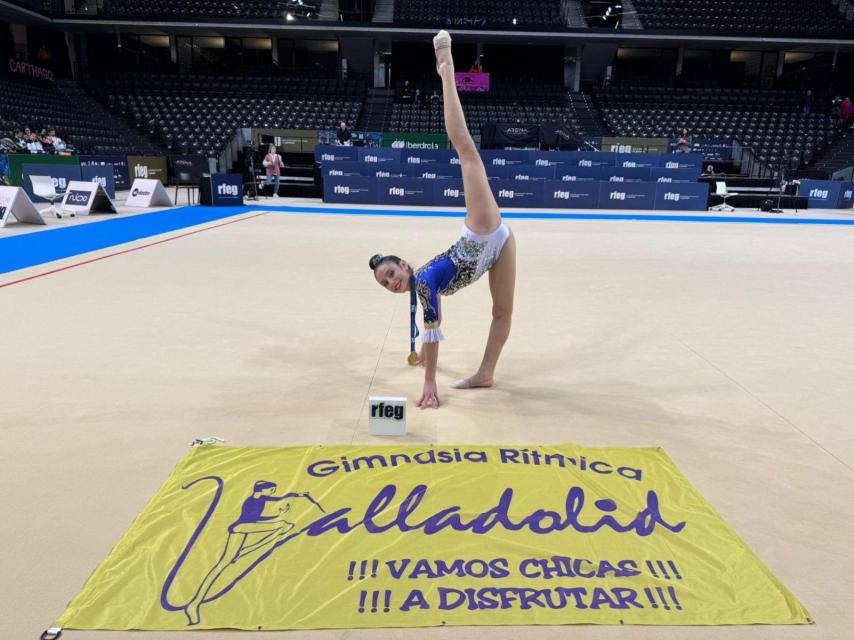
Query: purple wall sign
(472, 81)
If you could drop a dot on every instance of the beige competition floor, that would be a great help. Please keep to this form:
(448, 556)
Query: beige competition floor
(730, 345)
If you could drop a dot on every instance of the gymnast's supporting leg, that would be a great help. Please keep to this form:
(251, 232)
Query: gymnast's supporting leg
(502, 284)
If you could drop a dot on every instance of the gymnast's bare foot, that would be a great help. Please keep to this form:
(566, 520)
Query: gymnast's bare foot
(444, 59)
(478, 380)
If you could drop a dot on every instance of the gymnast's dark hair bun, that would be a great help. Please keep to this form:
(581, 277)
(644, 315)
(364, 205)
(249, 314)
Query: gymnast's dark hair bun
(375, 260)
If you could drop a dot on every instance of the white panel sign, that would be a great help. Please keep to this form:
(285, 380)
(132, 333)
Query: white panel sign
(83, 198)
(15, 203)
(387, 416)
(148, 193)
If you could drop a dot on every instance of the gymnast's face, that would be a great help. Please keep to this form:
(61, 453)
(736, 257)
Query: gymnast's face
(394, 277)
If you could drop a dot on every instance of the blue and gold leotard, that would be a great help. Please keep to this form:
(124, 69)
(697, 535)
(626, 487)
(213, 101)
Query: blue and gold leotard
(467, 260)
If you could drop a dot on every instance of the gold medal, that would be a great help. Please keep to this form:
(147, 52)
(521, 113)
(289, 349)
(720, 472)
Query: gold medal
(412, 358)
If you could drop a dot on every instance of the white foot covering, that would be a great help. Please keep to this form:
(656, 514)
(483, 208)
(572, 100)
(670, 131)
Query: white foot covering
(468, 384)
(442, 41)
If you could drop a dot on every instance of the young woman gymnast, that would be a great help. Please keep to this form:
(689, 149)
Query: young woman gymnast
(486, 245)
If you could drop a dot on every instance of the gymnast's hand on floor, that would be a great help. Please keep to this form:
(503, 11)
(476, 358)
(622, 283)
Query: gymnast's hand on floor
(430, 395)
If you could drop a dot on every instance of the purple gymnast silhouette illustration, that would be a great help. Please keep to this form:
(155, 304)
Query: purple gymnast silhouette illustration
(252, 532)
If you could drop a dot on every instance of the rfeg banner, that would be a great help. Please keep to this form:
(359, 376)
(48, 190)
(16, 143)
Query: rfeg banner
(264, 538)
(822, 194)
(682, 197)
(103, 175)
(847, 198)
(627, 195)
(148, 168)
(119, 164)
(350, 190)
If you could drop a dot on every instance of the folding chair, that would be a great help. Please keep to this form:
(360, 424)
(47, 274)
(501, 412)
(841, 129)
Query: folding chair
(43, 187)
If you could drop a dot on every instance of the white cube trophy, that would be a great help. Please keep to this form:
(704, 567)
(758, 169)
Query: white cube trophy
(387, 416)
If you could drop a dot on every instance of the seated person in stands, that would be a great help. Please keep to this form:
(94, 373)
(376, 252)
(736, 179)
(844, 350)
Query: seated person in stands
(47, 142)
(406, 92)
(34, 145)
(435, 99)
(475, 67)
(21, 141)
(58, 144)
(344, 135)
(683, 145)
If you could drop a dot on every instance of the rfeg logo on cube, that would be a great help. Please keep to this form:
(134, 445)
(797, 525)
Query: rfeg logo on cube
(387, 416)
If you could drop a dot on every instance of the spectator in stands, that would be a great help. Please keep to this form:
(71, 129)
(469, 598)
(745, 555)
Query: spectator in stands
(47, 143)
(44, 54)
(59, 145)
(34, 145)
(475, 67)
(406, 92)
(683, 144)
(435, 99)
(808, 98)
(344, 135)
(846, 110)
(417, 98)
(20, 141)
(835, 111)
(273, 166)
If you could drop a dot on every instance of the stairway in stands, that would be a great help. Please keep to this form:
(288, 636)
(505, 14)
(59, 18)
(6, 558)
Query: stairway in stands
(384, 11)
(377, 110)
(838, 155)
(85, 104)
(328, 11)
(587, 115)
(572, 14)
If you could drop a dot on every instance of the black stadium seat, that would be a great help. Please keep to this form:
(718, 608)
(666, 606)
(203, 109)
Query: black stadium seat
(771, 122)
(794, 18)
(199, 114)
(478, 13)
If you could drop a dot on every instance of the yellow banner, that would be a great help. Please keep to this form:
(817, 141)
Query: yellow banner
(344, 537)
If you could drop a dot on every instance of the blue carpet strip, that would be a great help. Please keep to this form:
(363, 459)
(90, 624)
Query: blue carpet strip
(31, 249)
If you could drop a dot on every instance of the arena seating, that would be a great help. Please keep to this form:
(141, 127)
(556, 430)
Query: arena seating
(478, 13)
(78, 120)
(510, 103)
(800, 18)
(269, 9)
(199, 114)
(771, 122)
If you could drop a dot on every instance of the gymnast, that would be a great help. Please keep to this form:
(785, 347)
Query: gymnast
(486, 244)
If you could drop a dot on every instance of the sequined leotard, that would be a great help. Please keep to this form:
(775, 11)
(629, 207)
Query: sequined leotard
(467, 260)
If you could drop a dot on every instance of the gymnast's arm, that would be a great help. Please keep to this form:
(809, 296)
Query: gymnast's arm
(284, 497)
(430, 344)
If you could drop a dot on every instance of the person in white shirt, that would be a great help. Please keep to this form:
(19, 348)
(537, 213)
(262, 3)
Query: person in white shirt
(34, 145)
(58, 145)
